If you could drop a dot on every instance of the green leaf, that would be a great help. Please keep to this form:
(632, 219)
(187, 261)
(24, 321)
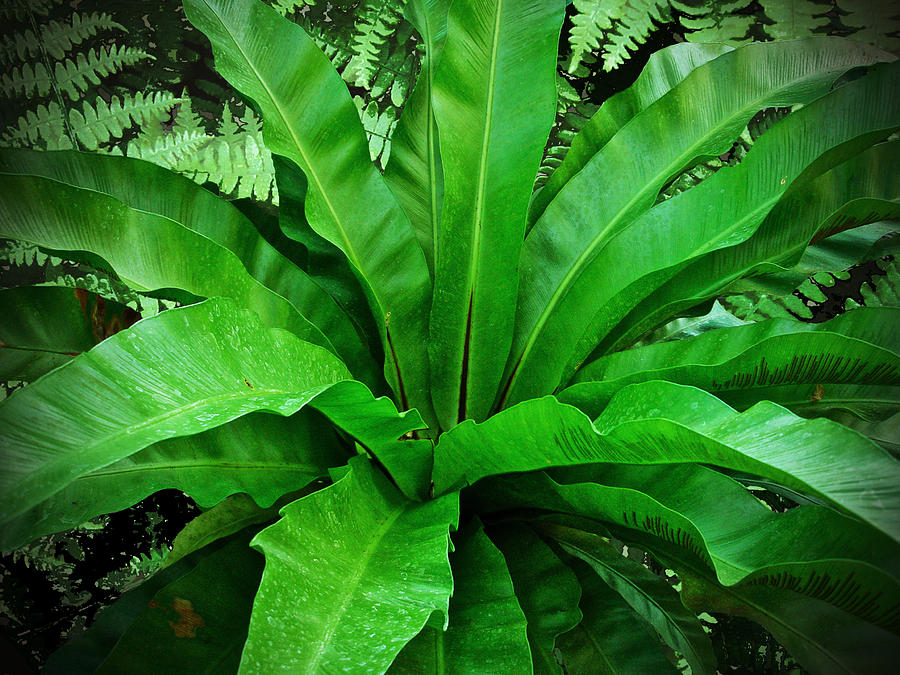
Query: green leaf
(812, 549)
(389, 436)
(178, 373)
(665, 69)
(568, 300)
(310, 119)
(196, 624)
(822, 638)
(147, 251)
(546, 589)
(367, 567)
(148, 187)
(46, 326)
(414, 171)
(660, 422)
(648, 595)
(756, 361)
(854, 193)
(487, 629)
(494, 102)
(611, 638)
(260, 454)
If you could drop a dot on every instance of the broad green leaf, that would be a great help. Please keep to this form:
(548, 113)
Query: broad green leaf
(494, 102)
(414, 171)
(148, 251)
(758, 360)
(822, 638)
(612, 638)
(147, 187)
(648, 595)
(83, 654)
(665, 69)
(196, 624)
(262, 455)
(660, 422)
(811, 549)
(569, 300)
(178, 373)
(45, 326)
(367, 567)
(546, 589)
(308, 117)
(487, 629)
(388, 435)
(859, 191)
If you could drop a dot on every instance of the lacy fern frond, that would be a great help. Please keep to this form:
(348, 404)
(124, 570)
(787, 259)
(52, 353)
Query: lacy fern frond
(571, 115)
(715, 20)
(22, 10)
(44, 126)
(235, 158)
(72, 77)
(378, 19)
(874, 21)
(591, 21)
(632, 27)
(50, 127)
(56, 38)
(799, 18)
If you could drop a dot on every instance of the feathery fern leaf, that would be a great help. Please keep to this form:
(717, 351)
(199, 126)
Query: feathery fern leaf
(795, 19)
(875, 21)
(22, 10)
(103, 121)
(593, 18)
(378, 19)
(44, 126)
(71, 77)
(55, 38)
(637, 19)
(715, 20)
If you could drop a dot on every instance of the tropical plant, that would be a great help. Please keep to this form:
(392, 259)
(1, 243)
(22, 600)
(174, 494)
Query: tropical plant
(552, 392)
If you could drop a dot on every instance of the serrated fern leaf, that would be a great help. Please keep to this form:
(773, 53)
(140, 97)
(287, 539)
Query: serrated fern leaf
(377, 21)
(591, 21)
(104, 121)
(72, 77)
(44, 125)
(715, 20)
(56, 38)
(637, 19)
(21, 10)
(795, 19)
(874, 21)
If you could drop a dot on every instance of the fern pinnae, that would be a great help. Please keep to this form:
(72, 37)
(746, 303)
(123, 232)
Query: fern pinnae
(45, 124)
(57, 38)
(104, 121)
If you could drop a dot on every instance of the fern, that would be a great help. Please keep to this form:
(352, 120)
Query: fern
(23, 10)
(874, 21)
(795, 19)
(234, 158)
(55, 38)
(44, 126)
(636, 21)
(715, 20)
(71, 77)
(378, 19)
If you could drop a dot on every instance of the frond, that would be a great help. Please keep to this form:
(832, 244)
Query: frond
(104, 121)
(378, 19)
(715, 20)
(874, 21)
(638, 18)
(56, 38)
(571, 115)
(795, 19)
(72, 77)
(21, 10)
(44, 125)
(591, 21)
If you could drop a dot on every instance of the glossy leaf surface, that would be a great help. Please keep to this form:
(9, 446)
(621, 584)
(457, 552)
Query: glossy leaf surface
(204, 365)
(492, 137)
(148, 187)
(308, 116)
(367, 565)
(759, 360)
(487, 629)
(659, 422)
(568, 300)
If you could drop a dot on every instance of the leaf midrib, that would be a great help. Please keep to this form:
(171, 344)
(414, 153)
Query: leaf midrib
(576, 269)
(350, 588)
